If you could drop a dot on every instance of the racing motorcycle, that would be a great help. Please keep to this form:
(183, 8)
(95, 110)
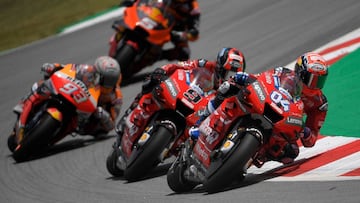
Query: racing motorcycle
(249, 128)
(175, 104)
(48, 122)
(140, 35)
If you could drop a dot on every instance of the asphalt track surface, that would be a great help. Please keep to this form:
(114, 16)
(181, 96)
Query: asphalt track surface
(270, 33)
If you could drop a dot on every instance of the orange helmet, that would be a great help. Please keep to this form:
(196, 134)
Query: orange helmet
(312, 69)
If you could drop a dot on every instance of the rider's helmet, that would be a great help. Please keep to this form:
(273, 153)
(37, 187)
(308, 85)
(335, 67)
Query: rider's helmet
(229, 60)
(312, 69)
(109, 71)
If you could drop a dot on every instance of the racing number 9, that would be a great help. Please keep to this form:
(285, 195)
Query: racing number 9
(70, 88)
(192, 96)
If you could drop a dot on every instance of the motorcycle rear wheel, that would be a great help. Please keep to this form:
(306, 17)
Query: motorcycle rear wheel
(37, 138)
(147, 156)
(11, 142)
(234, 162)
(125, 57)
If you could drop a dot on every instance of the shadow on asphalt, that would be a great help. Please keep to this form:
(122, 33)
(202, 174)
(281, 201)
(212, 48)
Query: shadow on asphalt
(252, 179)
(67, 145)
(158, 171)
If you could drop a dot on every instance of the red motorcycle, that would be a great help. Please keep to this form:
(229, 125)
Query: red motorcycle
(141, 34)
(174, 104)
(54, 118)
(249, 128)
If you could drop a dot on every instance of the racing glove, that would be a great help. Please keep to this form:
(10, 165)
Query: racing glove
(194, 132)
(154, 79)
(305, 133)
(241, 78)
(49, 68)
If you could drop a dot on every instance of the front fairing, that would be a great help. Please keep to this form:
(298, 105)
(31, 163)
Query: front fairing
(64, 83)
(187, 91)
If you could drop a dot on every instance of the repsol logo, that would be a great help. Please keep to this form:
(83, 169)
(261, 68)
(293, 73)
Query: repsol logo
(259, 91)
(294, 121)
(79, 83)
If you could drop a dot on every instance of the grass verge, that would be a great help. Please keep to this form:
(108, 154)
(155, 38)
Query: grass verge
(24, 21)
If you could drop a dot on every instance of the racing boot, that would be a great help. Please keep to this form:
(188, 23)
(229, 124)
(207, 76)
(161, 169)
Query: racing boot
(191, 173)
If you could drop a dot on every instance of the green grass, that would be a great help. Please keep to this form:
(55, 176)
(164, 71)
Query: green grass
(24, 21)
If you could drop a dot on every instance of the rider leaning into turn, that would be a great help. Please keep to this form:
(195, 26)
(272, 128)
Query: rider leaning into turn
(187, 15)
(228, 62)
(110, 100)
(312, 70)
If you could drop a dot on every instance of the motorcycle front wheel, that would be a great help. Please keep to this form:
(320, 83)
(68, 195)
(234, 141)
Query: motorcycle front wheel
(143, 159)
(11, 143)
(232, 163)
(125, 57)
(37, 138)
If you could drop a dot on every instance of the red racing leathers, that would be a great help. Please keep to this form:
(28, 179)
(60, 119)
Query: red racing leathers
(315, 106)
(140, 110)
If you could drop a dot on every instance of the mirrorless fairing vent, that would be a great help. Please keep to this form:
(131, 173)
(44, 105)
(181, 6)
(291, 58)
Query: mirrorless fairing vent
(271, 114)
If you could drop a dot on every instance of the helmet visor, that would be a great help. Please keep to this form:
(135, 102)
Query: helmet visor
(291, 85)
(108, 82)
(315, 81)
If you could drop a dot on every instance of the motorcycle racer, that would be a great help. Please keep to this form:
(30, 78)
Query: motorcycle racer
(105, 74)
(187, 15)
(312, 70)
(228, 60)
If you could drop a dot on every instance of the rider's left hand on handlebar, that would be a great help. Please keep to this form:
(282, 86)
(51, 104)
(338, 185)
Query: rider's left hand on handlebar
(49, 68)
(157, 75)
(305, 133)
(241, 78)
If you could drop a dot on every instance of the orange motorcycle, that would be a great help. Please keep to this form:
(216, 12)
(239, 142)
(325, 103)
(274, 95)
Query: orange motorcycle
(51, 120)
(251, 127)
(140, 35)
